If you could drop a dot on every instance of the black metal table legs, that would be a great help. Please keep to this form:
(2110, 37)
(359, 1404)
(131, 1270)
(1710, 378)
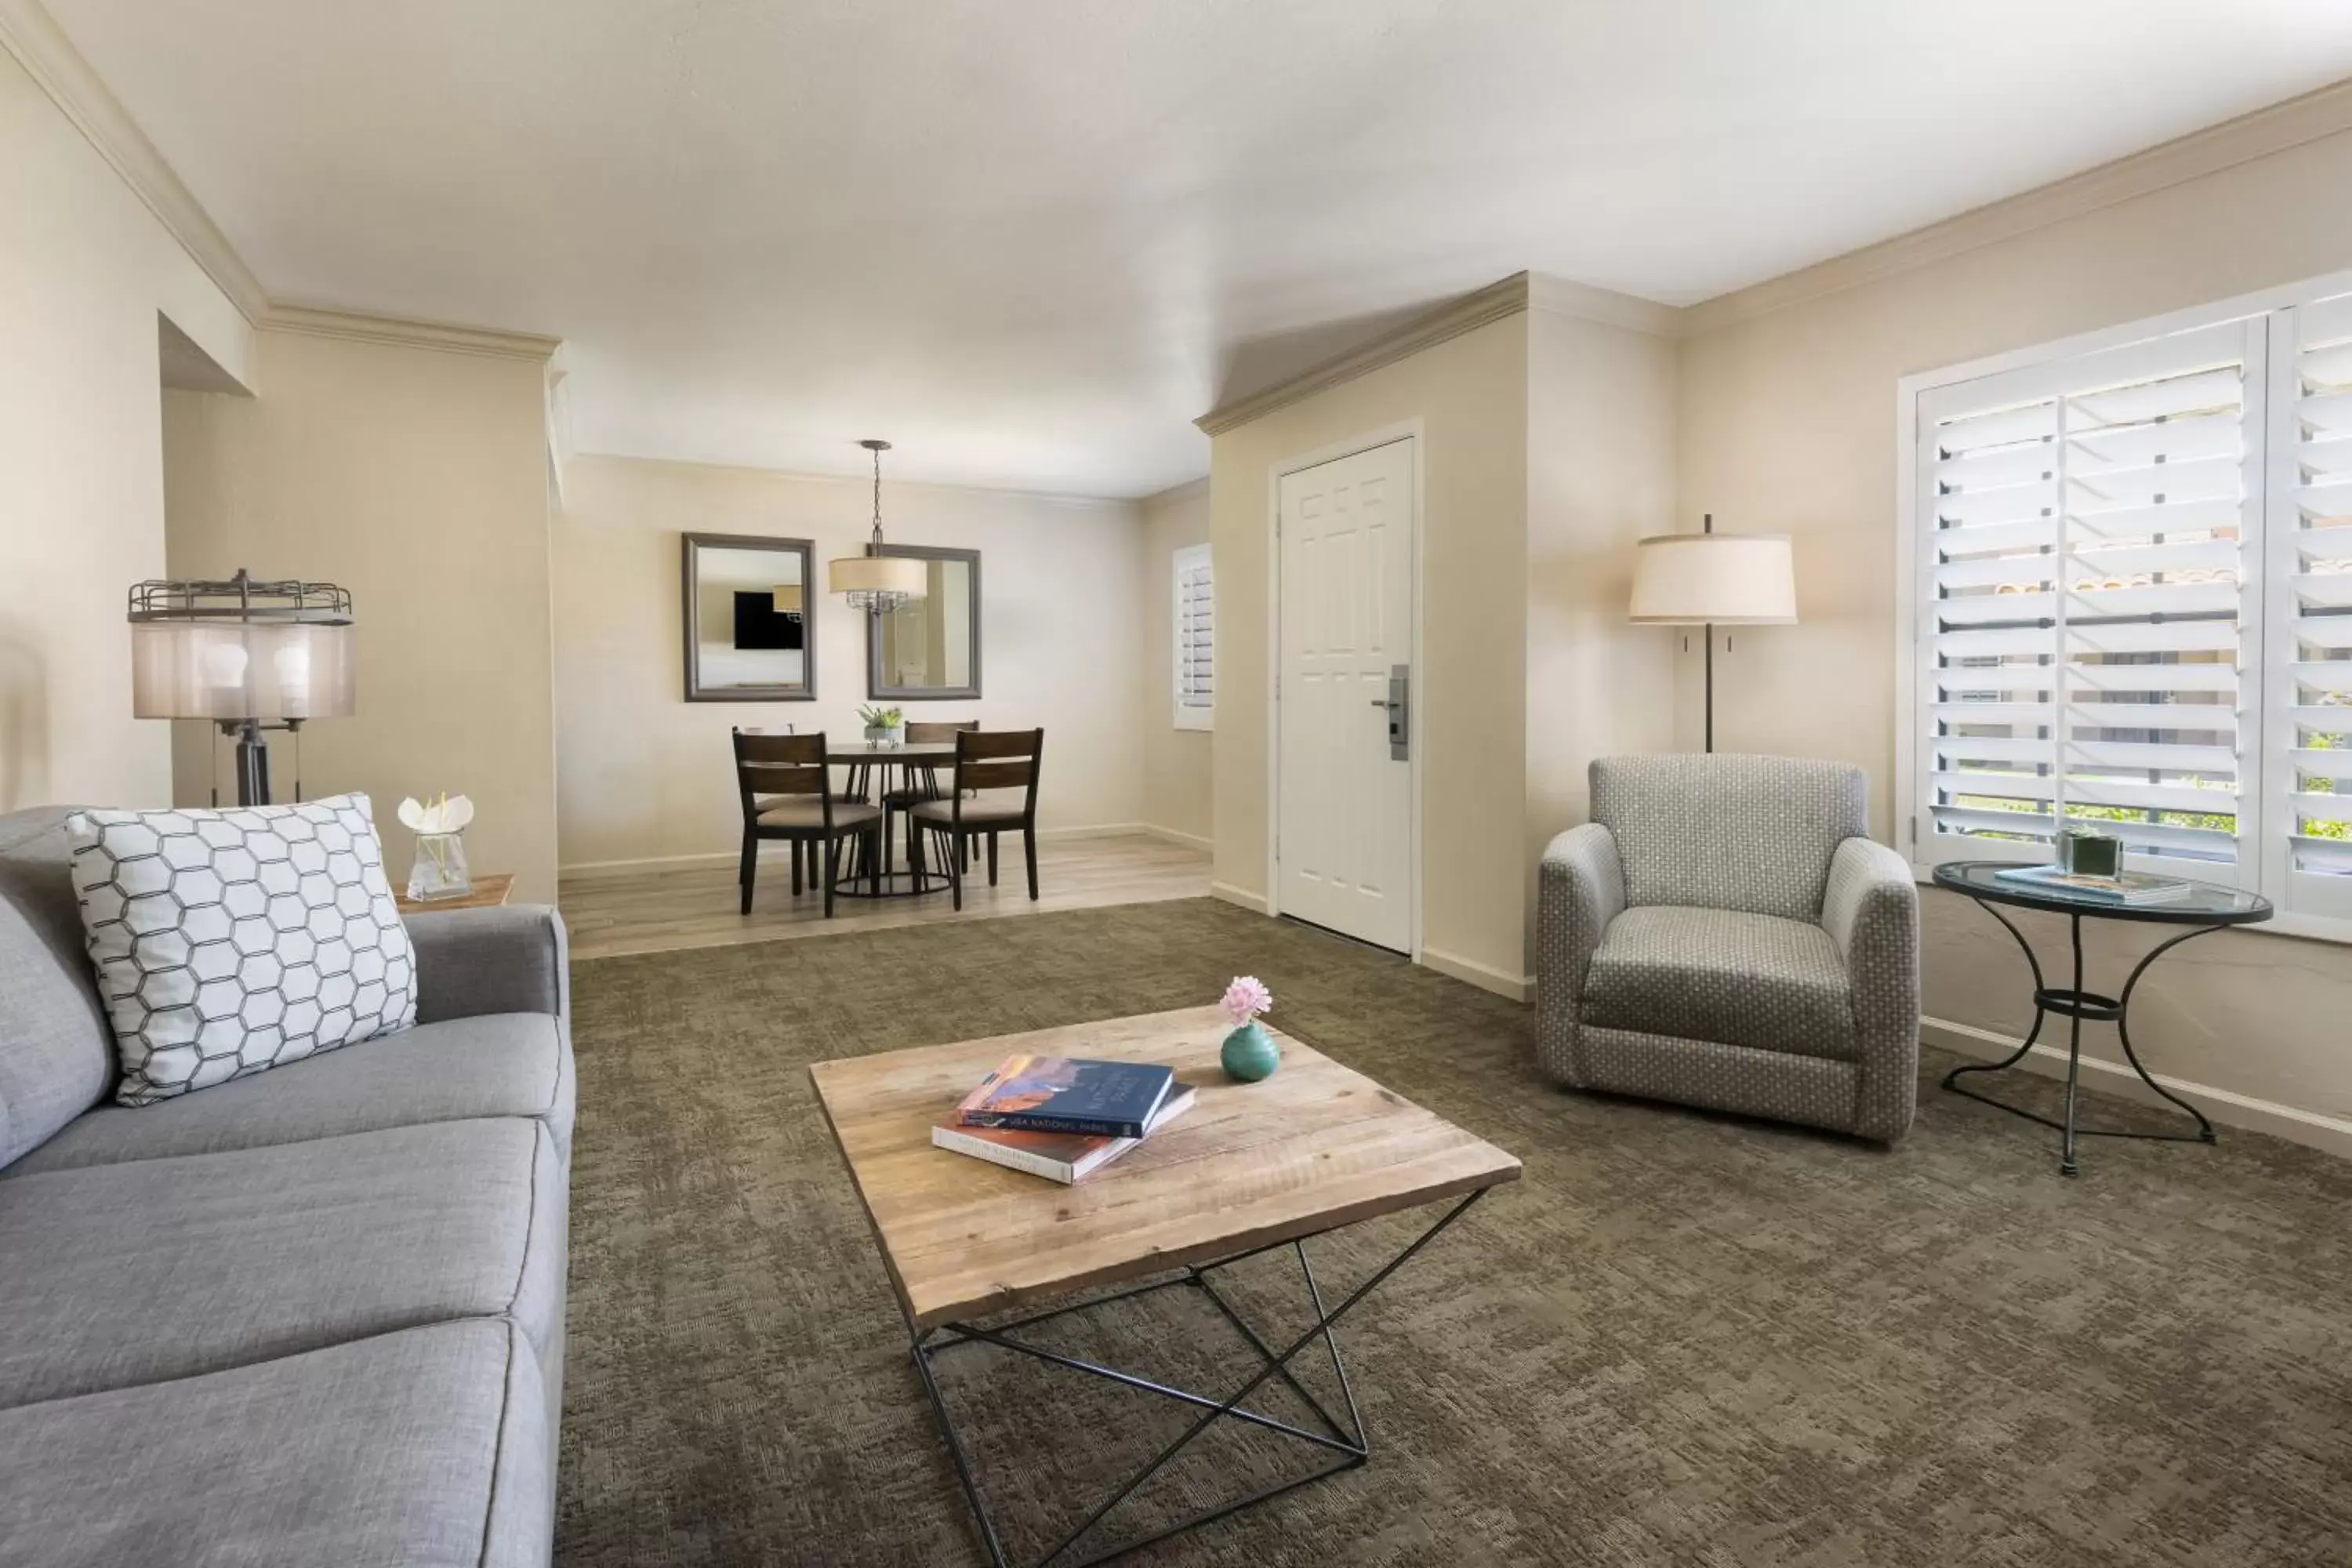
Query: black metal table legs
(1348, 1443)
(2075, 1004)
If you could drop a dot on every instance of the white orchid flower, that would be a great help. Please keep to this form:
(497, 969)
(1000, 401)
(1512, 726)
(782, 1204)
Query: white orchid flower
(449, 814)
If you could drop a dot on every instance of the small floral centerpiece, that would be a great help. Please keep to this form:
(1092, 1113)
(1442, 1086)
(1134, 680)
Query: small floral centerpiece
(1249, 1052)
(440, 870)
(884, 726)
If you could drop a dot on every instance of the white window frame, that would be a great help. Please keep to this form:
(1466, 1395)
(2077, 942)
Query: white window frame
(1190, 558)
(2264, 790)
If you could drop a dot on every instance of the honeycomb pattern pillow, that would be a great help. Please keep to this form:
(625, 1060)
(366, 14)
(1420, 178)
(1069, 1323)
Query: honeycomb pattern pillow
(231, 941)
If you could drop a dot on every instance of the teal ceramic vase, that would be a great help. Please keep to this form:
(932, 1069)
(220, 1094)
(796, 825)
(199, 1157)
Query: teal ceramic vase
(1250, 1053)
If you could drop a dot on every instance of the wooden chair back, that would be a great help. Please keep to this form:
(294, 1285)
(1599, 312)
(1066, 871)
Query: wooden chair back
(1004, 759)
(933, 732)
(778, 764)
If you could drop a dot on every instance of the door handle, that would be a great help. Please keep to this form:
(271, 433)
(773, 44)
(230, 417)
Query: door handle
(1398, 703)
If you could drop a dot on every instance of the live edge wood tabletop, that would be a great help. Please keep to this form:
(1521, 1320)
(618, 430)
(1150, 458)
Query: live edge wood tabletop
(1316, 1146)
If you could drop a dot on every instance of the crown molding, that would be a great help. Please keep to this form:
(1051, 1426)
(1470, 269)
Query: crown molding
(354, 327)
(1566, 297)
(2327, 112)
(49, 57)
(1449, 321)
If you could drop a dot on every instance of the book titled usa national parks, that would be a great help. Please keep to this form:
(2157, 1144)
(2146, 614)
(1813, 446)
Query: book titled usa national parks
(1069, 1094)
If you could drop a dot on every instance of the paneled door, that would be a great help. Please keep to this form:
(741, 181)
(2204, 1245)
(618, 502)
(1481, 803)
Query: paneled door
(1343, 846)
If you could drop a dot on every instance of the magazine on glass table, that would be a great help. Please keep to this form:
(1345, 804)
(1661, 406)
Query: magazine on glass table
(2132, 888)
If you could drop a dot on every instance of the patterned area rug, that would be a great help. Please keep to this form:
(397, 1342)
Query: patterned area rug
(1682, 1338)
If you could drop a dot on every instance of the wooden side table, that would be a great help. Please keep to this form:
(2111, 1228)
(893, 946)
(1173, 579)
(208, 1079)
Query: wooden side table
(489, 891)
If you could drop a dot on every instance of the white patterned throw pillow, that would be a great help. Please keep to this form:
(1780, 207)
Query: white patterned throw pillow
(229, 942)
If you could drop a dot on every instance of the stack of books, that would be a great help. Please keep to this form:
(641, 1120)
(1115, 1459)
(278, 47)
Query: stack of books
(2132, 890)
(1062, 1117)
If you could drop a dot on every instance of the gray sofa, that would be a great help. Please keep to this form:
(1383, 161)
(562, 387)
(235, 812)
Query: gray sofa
(1725, 934)
(310, 1316)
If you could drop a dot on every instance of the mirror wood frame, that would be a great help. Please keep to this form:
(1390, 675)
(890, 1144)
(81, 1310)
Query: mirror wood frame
(689, 544)
(877, 689)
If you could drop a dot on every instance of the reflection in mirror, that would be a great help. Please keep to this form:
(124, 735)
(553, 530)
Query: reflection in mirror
(930, 648)
(749, 635)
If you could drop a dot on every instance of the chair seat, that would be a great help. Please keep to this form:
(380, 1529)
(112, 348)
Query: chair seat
(808, 813)
(976, 813)
(1719, 975)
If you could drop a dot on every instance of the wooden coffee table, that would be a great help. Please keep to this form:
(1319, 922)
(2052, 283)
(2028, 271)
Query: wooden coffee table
(1251, 1168)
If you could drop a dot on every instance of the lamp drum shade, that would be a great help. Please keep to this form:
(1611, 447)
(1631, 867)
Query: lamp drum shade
(904, 577)
(260, 670)
(1726, 579)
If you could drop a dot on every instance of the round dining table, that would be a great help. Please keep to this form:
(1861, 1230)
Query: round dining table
(914, 759)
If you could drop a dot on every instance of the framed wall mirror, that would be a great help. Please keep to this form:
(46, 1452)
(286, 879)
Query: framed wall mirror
(928, 647)
(751, 635)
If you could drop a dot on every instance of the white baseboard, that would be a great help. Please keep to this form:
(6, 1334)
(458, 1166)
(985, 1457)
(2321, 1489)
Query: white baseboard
(2224, 1106)
(1485, 978)
(1254, 902)
(1173, 836)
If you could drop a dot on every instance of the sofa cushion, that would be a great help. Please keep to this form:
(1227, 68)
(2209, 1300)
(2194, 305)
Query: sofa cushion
(229, 942)
(1717, 975)
(171, 1267)
(426, 1448)
(1726, 832)
(503, 1064)
(57, 1058)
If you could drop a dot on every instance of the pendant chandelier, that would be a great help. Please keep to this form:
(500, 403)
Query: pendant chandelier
(875, 581)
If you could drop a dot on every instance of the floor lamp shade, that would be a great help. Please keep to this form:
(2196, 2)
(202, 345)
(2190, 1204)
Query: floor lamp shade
(1717, 579)
(262, 670)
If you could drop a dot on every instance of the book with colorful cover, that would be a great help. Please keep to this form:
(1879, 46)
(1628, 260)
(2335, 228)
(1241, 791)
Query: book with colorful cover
(2132, 888)
(1064, 1157)
(1069, 1094)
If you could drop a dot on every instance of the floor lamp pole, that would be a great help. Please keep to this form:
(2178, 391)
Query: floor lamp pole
(1708, 631)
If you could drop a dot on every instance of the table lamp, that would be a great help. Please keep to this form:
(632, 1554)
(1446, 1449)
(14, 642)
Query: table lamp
(1709, 580)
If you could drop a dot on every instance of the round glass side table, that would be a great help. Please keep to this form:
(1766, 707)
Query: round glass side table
(2207, 909)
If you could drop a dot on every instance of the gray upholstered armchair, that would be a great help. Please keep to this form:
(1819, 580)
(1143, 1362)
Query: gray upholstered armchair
(1723, 934)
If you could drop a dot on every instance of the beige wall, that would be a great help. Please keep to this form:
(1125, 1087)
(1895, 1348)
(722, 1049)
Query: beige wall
(1470, 395)
(1788, 425)
(85, 268)
(1179, 790)
(1601, 477)
(417, 479)
(645, 775)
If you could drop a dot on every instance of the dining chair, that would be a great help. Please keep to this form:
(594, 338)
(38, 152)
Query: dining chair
(921, 779)
(787, 793)
(1004, 760)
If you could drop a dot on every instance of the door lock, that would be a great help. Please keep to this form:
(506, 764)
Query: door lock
(1399, 704)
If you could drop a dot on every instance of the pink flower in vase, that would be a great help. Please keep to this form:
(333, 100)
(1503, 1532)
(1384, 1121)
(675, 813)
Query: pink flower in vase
(1246, 998)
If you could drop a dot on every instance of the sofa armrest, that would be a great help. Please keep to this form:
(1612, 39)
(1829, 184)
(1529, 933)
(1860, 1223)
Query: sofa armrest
(1581, 887)
(513, 959)
(1872, 912)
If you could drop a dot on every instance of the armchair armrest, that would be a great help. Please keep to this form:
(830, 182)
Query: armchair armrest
(1872, 912)
(1581, 887)
(506, 960)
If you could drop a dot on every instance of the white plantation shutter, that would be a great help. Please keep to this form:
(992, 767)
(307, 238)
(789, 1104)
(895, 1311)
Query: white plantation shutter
(1196, 643)
(2310, 571)
(2089, 615)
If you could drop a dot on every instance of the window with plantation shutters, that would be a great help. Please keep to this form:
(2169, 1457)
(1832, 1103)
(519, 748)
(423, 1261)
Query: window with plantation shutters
(1196, 645)
(2090, 645)
(2129, 600)
(2310, 605)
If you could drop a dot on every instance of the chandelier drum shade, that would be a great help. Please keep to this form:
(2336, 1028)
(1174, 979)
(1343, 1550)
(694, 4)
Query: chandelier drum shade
(875, 581)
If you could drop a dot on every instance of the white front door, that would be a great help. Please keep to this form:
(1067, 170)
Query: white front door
(1343, 848)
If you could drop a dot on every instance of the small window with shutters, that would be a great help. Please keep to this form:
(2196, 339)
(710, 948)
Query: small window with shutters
(2131, 603)
(1195, 622)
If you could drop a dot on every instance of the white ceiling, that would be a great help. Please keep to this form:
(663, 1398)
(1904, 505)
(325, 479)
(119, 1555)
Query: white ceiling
(1023, 239)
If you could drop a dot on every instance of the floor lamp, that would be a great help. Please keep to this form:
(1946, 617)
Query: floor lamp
(1709, 580)
(249, 656)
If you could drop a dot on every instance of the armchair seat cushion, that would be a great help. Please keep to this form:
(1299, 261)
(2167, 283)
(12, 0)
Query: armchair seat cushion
(1723, 975)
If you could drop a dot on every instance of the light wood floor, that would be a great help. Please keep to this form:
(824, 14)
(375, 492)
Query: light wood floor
(655, 911)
